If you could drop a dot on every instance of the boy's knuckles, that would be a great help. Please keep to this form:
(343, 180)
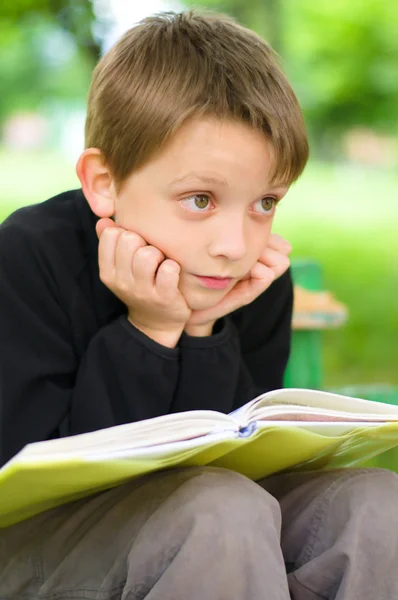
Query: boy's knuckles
(170, 266)
(283, 264)
(105, 276)
(131, 238)
(278, 243)
(149, 253)
(111, 234)
(167, 269)
(124, 287)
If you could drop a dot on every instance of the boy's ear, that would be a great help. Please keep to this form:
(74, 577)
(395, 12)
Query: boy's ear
(97, 182)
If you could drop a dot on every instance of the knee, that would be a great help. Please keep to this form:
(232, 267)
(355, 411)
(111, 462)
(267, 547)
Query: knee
(218, 499)
(368, 498)
(206, 520)
(371, 489)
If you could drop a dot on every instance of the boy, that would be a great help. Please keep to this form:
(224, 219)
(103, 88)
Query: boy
(159, 288)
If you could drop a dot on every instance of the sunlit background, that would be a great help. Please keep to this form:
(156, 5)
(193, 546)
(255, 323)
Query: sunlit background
(342, 60)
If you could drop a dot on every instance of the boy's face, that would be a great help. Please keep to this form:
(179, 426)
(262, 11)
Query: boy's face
(206, 202)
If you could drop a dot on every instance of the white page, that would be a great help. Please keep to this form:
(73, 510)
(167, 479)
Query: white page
(150, 432)
(294, 412)
(317, 399)
(164, 450)
(160, 451)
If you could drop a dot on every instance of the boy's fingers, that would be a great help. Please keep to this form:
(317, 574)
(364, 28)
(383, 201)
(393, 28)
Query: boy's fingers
(261, 278)
(275, 260)
(245, 291)
(103, 224)
(128, 244)
(278, 243)
(261, 272)
(145, 263)
(271, 264)
(107, 253)
(247, 276)
(167, 278)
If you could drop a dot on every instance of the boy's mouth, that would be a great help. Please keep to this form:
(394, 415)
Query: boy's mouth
(215, 283)
(216, 276)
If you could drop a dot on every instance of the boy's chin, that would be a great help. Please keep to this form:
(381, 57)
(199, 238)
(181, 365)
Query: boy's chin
(203, 300)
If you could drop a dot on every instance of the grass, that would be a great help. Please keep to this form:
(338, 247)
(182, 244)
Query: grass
(343, 217)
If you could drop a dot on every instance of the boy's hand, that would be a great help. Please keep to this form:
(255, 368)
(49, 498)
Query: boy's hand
(272, 264)
(144, 280)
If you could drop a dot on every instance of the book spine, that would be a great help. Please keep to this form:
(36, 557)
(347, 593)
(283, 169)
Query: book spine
(247, 430)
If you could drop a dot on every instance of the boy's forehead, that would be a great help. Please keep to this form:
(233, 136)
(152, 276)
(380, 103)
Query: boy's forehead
(213, 152)
(206, 140)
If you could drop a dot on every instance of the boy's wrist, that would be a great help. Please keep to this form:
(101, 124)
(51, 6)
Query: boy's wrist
(168, 338)
(199, 330)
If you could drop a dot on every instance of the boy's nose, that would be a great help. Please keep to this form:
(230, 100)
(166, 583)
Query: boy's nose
(229, 240)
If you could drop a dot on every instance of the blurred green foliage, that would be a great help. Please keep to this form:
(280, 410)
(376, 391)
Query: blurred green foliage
(75, 17)
(341, 57)
(33, 70)
(48, 50)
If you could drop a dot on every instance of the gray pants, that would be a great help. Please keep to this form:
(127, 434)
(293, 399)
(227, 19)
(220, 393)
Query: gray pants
(211, 534)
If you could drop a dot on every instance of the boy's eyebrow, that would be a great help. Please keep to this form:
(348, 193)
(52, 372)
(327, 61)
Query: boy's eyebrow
(212, 179)
(201, 177)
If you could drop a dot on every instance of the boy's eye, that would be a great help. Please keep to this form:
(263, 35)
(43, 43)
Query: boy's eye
(267, 204)
(196, 203)
(201, 202)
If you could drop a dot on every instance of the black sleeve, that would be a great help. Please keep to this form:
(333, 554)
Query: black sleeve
(244, 358)
(43, 384)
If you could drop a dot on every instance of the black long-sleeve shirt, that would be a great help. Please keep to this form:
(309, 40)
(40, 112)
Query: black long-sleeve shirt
(71, 362)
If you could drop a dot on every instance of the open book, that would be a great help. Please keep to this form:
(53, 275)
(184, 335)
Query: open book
(279, 430)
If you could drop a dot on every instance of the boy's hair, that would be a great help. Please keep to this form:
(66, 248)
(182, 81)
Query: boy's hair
(175, 66)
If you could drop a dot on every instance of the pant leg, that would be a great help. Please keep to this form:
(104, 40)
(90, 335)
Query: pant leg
(199, 533)
(339, 533)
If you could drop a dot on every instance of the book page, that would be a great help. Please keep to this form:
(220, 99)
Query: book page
(141, 434)
(294, 412)
(315, 405)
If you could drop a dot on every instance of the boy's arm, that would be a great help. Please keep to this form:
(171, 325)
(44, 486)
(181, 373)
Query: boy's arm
(246, 355)
(45, 381)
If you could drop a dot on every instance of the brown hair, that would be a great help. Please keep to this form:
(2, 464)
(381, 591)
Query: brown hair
(175, 66)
